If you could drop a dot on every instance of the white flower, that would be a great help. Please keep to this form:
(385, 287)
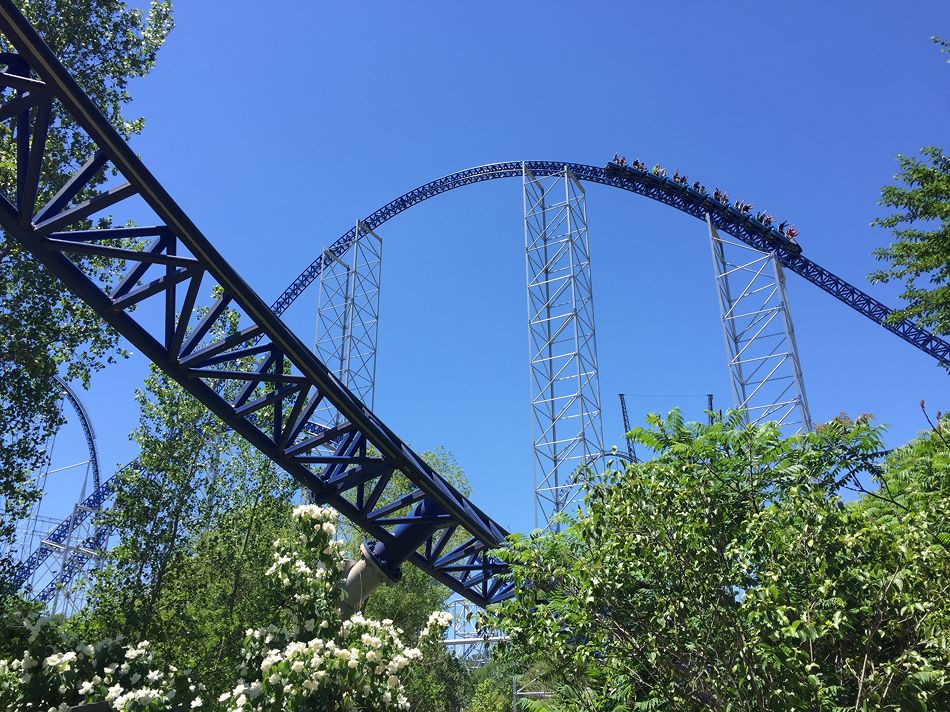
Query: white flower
(393, 681)
(113, 693)
(52, 660)
(239, 702)
(297, 666)
(197, 702)
(86, 688)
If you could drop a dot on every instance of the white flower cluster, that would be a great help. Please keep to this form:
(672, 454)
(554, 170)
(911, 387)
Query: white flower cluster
(437, 623)
(312, 658)
(57, 671)
(315, 512)
(309, 658)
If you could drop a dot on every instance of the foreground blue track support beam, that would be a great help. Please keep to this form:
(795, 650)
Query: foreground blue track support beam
(257, 377)
(724, 218)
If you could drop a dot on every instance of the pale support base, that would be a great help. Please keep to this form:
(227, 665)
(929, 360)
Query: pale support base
(362, 578)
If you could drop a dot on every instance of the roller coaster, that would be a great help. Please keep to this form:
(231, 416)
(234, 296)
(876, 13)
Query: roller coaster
(261, 380)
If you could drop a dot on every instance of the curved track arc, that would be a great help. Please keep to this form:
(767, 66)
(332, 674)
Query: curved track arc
(683, 198)
(86, 423)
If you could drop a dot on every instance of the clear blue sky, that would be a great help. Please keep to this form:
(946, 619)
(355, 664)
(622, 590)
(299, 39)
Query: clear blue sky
(276, 129)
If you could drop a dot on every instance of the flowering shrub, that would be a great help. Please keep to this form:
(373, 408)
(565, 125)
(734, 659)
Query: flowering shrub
(57, 671)
(312, 658)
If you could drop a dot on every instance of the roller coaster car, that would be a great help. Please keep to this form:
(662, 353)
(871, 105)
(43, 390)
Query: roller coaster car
(614, 168)
(779, 240)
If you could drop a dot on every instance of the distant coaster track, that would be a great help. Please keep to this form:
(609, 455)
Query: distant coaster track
(61, 534)
(725, 218)
(85, 422)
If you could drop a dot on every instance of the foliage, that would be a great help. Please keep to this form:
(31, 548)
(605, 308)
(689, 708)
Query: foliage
(57, 670)
(493, 689)
(490, 696)
(920, 255)
(729, 573)
(440, 682)
(307, 658)
(195, 519)
(311, 657)
(104, 44)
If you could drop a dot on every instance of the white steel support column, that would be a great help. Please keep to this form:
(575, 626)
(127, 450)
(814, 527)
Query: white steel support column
(348, 315)
(764, 367)
(467, 642)
(565, 392)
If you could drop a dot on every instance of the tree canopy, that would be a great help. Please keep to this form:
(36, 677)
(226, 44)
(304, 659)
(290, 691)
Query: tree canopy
(920, 222)
(736, 571)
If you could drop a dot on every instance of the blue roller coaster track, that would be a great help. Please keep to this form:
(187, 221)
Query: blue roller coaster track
(262, 381)
(725, 218)
(62, 532)
(85, 422)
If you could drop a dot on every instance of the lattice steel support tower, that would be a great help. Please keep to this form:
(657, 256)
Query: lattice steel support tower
(348, 316)
(764, 367)
(565, 392)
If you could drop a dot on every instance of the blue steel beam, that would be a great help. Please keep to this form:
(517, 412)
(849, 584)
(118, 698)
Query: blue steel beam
(62, 531)
(725, 218)
(219, 372)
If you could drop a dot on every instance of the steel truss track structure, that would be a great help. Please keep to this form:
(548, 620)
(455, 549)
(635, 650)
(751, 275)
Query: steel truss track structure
(463, 635)
(348, 315)
(764, 368)
(261, 380)
(45, 546)
(562, 352)
(726, 219)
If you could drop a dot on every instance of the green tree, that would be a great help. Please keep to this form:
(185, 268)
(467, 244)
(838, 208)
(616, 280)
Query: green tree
(920, 255)
(730, 573)
(493, 686)
(195, 519)
(104, 44)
